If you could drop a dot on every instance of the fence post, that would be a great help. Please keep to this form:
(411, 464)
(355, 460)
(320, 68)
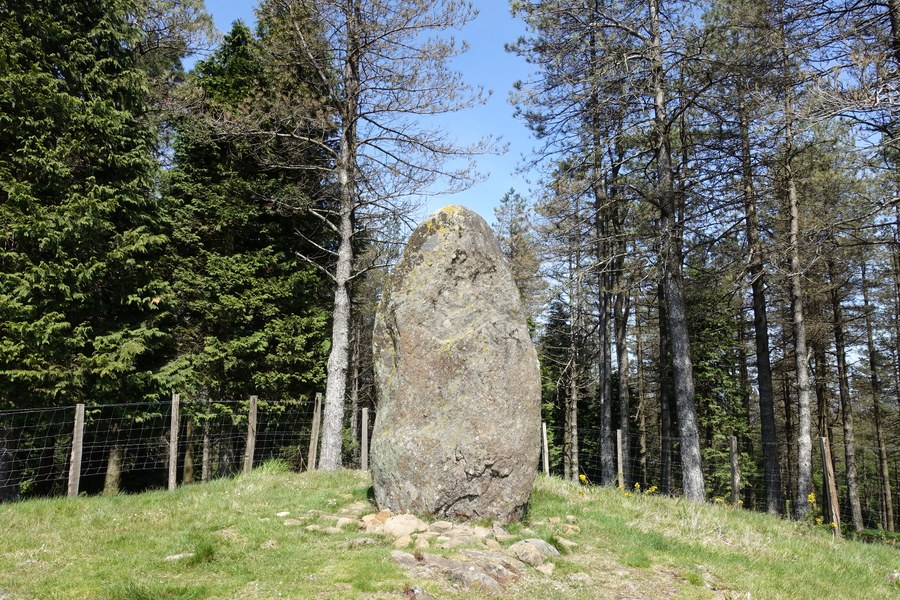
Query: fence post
(206, 461)
(831, 486)
(621, 458)
(173, 442)
(735, 473)
(75, 460)
(250, 448)
(544, 448)
(364, 454)
(314, 434)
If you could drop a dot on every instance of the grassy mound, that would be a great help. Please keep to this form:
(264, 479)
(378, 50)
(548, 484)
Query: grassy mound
(232, 545)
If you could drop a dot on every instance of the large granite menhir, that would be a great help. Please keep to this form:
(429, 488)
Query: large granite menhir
(457, 432)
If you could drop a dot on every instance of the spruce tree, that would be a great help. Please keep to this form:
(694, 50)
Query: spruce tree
(249, 316)
(79, 297)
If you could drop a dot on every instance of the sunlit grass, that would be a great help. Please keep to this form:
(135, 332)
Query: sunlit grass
(235, 547)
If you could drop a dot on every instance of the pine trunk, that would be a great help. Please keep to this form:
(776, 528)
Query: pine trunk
(664, 377)
(621, 323)
(338, 358)
(771, 460)
(642, 406)
(846, 406)
(354, 394)
(884, 477)
(673, 286)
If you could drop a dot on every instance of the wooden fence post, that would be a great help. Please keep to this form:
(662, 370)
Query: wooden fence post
(314, 434)
(75, 459)
(545, 454)
(831, 486)
(735, 473)
(621, 458)
(173, 442)
(250, 448)
(364, 454)
(206, 463)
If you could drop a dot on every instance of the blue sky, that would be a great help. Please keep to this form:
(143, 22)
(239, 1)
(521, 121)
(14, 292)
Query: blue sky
(486, 64)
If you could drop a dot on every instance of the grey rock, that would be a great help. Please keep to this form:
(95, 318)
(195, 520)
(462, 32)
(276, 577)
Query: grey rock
(567, 544)
(417, 593)
(404, 559)
(533, 551)
(546, 548)
(457, 430)
(403, 525)
(547, 568)
(486, 556)
(440, 526)
(473, 578)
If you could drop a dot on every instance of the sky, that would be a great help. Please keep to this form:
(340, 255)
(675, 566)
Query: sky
(486, 64)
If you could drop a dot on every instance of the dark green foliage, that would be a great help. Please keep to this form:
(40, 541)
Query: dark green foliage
(79, 296)
(721, 410)
(250, 314)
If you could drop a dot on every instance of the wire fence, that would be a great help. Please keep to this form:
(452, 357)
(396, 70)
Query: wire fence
(127, 447)
(642, 471)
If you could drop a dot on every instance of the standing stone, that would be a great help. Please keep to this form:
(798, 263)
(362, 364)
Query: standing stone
(458, 426)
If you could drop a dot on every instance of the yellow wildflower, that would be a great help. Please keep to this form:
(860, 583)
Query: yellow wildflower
(582, 478)
(811, 498)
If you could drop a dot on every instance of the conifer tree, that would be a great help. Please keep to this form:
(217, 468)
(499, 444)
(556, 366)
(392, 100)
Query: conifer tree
(80, 297)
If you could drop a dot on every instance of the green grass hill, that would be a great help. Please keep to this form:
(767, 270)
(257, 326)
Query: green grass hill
(272, 534)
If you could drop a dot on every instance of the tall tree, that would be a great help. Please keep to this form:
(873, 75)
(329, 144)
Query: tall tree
(81, 298)
(385, 68)
(251, 315)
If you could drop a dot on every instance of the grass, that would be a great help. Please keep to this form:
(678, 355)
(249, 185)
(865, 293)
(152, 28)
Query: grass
(115, 548)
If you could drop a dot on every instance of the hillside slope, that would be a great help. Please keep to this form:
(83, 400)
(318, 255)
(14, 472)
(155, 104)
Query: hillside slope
(237, 546)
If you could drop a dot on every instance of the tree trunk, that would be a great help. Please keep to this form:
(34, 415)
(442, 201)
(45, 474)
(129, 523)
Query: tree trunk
(846, 406)
(112, 480)
(820, 366)
(788, 431)
(336, 386)
(670, 247)
(187, 470)
(604, 375)
(771, 460)
(354, 391)
(206, 466)
(9, 480)
(573, 422)
(622, 309)
(798, 323)
(746, 441)
(642, 406)
(887, 503)
(226, 464)
(664, 377)
(893, 7)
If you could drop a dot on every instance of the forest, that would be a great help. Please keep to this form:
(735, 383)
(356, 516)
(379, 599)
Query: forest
(711, 247)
